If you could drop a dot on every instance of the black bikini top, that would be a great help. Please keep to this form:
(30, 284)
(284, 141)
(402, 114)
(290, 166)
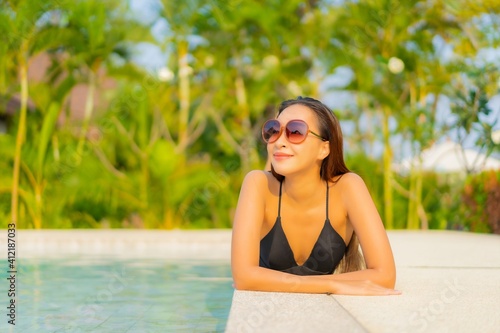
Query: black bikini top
(276, 253)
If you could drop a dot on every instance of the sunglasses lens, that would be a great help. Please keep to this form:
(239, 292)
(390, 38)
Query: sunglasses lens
(271, 131)
(296, 131)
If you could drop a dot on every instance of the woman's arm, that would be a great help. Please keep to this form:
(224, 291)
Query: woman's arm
(245, 249)
(368, 226)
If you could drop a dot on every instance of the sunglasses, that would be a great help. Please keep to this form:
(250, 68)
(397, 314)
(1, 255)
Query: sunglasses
(295, 130)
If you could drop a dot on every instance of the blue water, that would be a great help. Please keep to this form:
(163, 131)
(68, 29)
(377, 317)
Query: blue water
(136, 295)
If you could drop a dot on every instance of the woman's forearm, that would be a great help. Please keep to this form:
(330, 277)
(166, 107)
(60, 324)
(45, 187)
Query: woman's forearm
(364, 282)
(264, 279)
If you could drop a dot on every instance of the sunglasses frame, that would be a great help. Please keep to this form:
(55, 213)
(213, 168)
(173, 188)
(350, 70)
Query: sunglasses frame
(286, 131)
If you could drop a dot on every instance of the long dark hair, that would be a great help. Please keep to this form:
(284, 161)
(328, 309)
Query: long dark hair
(333, 165)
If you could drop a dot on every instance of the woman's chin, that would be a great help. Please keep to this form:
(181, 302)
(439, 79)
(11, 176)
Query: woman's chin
(282, 170)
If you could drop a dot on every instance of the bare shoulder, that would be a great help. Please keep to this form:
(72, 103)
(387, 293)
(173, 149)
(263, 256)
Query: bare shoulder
(257, 177)
(350, 180)
(260, 180)
(351, 186)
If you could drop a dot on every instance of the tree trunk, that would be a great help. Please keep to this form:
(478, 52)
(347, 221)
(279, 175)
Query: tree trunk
(89, 106)
(412, 220)
(144, 181)
(21, 131)
(184, 93)
(248, 154)
(420, 212)
(387, 158)
(38, 207)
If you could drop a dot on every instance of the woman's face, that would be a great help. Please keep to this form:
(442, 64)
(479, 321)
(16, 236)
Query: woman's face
(288, 158)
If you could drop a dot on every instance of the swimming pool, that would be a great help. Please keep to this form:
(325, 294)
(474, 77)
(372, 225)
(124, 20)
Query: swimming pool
(122, 295)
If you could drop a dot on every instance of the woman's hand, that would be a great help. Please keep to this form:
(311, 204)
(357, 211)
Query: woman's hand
(362, 288)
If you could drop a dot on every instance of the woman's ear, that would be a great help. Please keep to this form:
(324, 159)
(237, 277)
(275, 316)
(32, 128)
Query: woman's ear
(324, 151)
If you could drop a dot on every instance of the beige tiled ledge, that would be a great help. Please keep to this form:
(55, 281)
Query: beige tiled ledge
(450, 280)
(175, 244)
(450, 283)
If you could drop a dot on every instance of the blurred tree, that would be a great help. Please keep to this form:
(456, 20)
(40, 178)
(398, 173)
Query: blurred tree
(474, 73)
(374, 40)
(58, 27)
(246, 64)
(470, 91)
(180, 106)
(171, 148)
(392, 49)
(101, 33)
(22, 25)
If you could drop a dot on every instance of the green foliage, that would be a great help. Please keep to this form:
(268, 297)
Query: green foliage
(171, 152)
(441, 198)
(470, 96)
(481, 195)
(441, 194)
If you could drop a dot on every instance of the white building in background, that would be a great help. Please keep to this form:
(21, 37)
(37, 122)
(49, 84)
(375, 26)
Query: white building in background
(448, 157)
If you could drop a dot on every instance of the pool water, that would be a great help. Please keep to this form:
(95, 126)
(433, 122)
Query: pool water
(109, 295)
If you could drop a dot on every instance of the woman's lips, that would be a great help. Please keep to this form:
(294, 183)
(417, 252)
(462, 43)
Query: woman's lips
(281, 156)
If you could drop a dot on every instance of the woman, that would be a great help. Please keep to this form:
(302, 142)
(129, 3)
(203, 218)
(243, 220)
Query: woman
(297, 224)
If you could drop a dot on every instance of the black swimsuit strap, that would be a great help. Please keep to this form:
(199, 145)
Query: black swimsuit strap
(327, 190)
(279, 202)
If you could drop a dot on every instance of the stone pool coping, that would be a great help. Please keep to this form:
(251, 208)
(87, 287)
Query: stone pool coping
(124, 243)
(450, 280)
(450, 283)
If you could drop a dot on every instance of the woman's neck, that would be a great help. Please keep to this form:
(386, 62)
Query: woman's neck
(302, 188)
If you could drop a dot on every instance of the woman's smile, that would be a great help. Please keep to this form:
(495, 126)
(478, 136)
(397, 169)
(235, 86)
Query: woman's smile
(281, 156)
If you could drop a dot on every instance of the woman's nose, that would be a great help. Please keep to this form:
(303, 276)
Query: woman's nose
(281, 142)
